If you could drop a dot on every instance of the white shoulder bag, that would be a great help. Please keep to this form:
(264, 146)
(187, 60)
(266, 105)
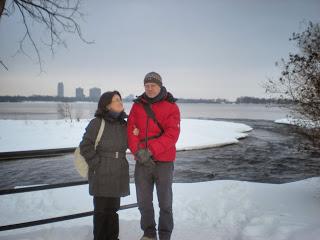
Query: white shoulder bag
(79, 161)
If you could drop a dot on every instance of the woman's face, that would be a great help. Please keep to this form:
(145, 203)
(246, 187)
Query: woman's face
(116, 105)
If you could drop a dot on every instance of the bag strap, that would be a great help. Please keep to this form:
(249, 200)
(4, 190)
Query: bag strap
(151, 114)
(99, 133)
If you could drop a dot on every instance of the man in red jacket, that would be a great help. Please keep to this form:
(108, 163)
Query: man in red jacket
(156, 116)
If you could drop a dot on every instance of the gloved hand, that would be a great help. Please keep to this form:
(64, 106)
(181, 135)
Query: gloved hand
(144, 157)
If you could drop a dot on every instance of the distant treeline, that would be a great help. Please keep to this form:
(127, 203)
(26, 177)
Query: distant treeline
(129, 99)
(263, 100)
(43, 98)
(189, 100)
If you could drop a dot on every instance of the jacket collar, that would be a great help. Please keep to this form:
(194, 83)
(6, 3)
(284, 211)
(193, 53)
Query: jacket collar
(121, 118)
(164, 95)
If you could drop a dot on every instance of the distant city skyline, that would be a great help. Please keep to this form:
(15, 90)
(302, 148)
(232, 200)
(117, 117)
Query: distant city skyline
(202, 49)
(93, 93)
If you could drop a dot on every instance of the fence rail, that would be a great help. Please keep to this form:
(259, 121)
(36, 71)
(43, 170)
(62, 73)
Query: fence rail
(4, 156)
(41, 187)
(56, 219)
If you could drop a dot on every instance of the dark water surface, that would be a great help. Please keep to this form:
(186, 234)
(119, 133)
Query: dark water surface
(269, 154)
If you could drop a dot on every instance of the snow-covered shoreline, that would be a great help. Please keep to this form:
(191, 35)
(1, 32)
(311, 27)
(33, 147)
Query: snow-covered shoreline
(20, 135)
(217, 210)
(298, 122)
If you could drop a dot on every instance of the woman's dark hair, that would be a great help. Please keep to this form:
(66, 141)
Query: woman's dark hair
(105, 99)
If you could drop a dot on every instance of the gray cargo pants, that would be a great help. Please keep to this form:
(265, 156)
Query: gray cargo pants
(145, 179)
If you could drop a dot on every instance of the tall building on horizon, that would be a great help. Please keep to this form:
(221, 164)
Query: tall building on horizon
(94, 93)
(79, 93)
(60, 89)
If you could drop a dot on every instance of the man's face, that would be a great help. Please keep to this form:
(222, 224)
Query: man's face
(152, 89)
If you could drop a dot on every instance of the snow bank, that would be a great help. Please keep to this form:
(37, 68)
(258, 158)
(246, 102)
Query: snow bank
(298, 122)
(19, 135)
(220, 210)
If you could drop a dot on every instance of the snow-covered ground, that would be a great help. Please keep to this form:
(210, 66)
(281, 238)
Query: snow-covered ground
(298, 122)
(215, 210)
(19, 135)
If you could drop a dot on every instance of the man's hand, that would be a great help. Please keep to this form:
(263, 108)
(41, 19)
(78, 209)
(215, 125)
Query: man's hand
(136, 131)
(144, 157)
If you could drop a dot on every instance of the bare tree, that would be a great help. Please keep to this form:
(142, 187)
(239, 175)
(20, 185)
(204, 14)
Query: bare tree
(2, 3)
(300, 81)
(78, 115)
(61, 110)
(56, 16)
(64, 109)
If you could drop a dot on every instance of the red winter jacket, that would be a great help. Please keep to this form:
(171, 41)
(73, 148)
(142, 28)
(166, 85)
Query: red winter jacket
(168, 115)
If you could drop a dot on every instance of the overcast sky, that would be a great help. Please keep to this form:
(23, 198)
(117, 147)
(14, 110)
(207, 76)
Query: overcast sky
(201, 48)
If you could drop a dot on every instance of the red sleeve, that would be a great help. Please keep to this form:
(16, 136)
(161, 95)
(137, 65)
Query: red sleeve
(169, 138)
(133, 140)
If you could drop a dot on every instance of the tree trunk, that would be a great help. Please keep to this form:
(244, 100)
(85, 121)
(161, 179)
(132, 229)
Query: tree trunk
(2, 4)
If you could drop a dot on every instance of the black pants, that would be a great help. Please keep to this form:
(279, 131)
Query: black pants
(160, 176)
(105, 218)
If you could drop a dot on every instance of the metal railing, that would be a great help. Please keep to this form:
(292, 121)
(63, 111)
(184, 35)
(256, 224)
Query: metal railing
(45, 187)
(56, 219)
(5, 156)
(40, 187)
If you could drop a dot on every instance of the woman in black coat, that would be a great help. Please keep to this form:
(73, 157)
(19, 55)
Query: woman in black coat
(108, 173)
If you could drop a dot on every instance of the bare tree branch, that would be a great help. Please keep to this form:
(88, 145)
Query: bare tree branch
(4, 65)
(300, 80)
(2, 4)
(28, 34)
(56, 16)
